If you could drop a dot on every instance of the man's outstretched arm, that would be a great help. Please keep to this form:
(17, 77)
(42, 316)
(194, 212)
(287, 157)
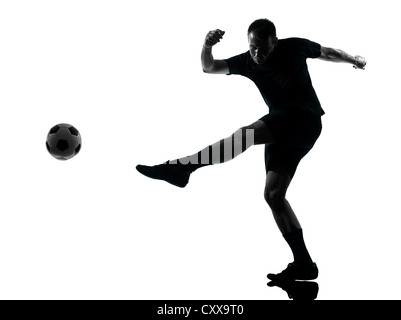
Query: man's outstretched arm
(209, 64)
(337, 55)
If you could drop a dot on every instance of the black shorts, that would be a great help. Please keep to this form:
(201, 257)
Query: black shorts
(295, 133)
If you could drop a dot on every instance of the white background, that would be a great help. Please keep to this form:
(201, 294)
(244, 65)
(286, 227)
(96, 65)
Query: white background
(127, 75)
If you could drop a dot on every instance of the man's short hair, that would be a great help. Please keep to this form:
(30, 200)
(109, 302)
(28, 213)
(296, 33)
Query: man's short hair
(263, 28)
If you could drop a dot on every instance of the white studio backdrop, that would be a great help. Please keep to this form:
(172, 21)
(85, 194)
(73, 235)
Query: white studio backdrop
(127, 75)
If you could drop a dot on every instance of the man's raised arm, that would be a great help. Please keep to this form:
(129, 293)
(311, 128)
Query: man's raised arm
(337, 55)
(209, 64)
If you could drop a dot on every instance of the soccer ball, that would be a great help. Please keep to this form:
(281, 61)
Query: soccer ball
(63, 141)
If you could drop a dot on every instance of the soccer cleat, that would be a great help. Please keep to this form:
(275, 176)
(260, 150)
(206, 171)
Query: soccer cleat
(167, 172)
(294, 272)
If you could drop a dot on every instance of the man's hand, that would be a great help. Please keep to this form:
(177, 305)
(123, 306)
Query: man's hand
(360, 63)
(209, 64)
(213, 37)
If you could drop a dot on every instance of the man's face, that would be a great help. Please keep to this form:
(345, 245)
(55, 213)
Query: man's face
(261, 49)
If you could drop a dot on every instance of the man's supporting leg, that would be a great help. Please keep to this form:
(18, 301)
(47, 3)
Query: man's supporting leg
(303, 267)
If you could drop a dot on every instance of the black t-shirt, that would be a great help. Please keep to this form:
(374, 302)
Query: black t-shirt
(284, 80)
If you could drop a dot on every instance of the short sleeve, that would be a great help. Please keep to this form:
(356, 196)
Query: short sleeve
(312, 49)
(238, 64)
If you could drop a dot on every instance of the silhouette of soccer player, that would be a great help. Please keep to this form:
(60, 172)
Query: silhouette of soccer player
(290, 129)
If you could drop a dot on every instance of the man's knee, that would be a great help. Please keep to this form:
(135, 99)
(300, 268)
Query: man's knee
(247, 133)
(274, 197)
(276, 189)
(258, 132)
(242, 139)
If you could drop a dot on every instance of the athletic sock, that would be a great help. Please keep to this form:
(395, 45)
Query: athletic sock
(191, 163)
(296, 242)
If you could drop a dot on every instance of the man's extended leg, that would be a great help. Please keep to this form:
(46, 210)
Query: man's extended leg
(303, 267)
(177, 171)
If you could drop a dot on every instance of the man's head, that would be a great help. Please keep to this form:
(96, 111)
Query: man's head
(262, 40)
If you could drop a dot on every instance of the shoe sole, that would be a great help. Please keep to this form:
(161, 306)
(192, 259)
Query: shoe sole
(312, 275)
(275, 277)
